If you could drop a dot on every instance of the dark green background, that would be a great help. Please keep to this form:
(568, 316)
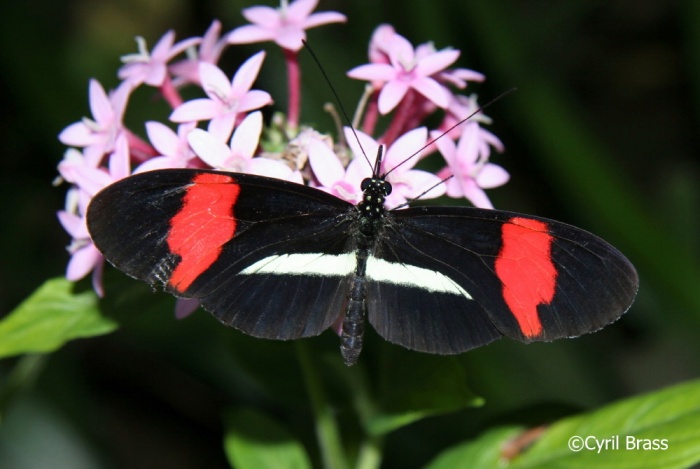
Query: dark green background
(602, 133)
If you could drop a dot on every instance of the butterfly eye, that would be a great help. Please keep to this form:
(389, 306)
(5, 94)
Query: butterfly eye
(386, 187)
(365, 184)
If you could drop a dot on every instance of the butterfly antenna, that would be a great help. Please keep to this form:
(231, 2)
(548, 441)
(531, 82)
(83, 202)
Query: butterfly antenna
(337, 98)
(378, 162)
(497, 98)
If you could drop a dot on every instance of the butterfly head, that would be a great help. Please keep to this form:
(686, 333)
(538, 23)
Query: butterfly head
(374, 190)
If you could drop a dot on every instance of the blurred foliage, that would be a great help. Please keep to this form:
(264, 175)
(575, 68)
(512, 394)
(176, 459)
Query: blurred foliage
(602, 133)
(49, 318)
(621, 429)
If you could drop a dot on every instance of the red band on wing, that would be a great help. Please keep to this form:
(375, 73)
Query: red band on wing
(524, 266)
(202, 226)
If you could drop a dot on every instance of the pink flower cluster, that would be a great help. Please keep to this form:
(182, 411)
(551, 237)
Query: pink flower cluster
(224, 128)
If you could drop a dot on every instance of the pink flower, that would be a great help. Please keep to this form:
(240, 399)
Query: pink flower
(460, 76)
(210, 49)
(239, 155)
(71, 163)
(380, 44)
(407, 69)
(285, 25)
(226, 99)
(174, 149)
(462, 107)
(151, 68)
(72, 167)
(97, 135)
(467, 161)
(407, 183)
(92, 180)
(343, 183)
(84, 255)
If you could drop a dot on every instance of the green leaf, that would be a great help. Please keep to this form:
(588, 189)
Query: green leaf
(255, 441)
(664, 427)
(484, 452)
(415, 386)
(49, 318)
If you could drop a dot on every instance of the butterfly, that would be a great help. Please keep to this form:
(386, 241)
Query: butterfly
(280, 260)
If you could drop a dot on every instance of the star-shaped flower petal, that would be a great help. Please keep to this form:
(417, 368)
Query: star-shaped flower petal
(460, 76)
(468, 163)
(174, 149)
(71, 163)
(72, 169)
(84, 256)
(285, 25)
(97, 135)
(463, 107)
(343, 183)
(407, 70)
(226, 99)
(239, 155)
(380, 44)
(209, 51)
(92, 180)
(152, 67)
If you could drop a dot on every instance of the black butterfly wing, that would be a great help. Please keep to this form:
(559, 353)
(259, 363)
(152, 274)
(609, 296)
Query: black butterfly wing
(269, 257)
(277, 259)
(524, 277)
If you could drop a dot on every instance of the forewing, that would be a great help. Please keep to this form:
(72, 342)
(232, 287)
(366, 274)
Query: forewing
(222, 238)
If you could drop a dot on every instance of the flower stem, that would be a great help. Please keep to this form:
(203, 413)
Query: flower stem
(327, 433)
(401, 116)
(368, 107)
(170, 93)
(139, 149)
(294, 84)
